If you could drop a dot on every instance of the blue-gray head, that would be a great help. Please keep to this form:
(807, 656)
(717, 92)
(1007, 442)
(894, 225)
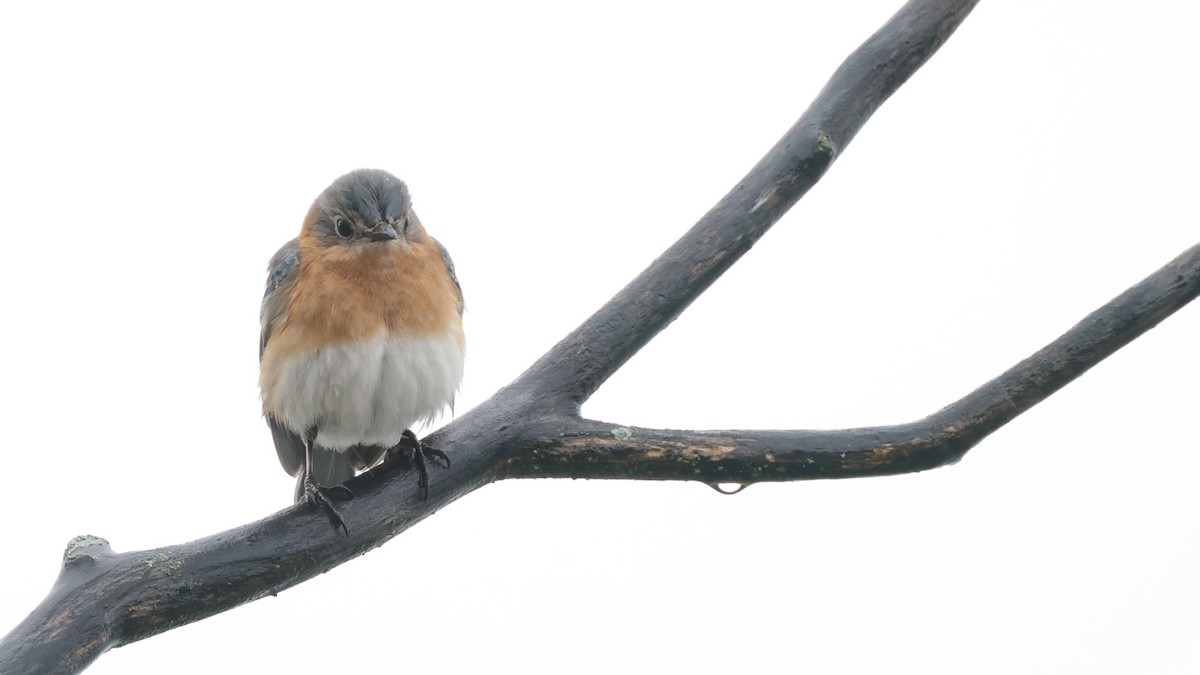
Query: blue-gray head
(367, 205)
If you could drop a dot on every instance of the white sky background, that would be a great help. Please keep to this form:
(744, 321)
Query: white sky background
(1046, 159)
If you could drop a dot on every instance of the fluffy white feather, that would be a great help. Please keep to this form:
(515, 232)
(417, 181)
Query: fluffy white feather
(370, 391)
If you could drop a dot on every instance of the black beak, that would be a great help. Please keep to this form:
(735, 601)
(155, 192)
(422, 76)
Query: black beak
(383, 232)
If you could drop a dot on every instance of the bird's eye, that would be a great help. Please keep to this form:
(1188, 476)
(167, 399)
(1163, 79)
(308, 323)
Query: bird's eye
(343, 228)
(404, 225)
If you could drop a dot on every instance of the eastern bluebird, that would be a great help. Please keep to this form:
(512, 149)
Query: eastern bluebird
(361, 336)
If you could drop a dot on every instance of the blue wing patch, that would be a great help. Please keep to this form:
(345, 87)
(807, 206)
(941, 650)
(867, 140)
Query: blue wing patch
(453, 276)
(281, 265)
(279, 276)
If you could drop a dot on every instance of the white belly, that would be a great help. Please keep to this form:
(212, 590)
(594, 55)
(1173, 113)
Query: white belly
(368, 392)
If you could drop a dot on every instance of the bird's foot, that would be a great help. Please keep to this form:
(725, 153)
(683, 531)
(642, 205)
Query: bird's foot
(420, 455)
(321, 496)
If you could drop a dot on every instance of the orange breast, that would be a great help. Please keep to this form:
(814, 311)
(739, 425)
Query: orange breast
(345, 294)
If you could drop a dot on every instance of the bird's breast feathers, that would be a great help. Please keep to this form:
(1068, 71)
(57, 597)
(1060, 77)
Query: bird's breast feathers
(371, 343)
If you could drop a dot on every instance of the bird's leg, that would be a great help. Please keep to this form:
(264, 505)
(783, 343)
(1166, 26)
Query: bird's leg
(319, 495)
(419, 455)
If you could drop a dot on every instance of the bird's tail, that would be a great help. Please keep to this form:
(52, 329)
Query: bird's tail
(329, 468)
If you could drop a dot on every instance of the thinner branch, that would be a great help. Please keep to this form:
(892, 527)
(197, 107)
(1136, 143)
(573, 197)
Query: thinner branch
(568, 446)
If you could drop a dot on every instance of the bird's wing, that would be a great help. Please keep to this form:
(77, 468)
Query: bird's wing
(453, 276)
(329, 467)
(281, 277)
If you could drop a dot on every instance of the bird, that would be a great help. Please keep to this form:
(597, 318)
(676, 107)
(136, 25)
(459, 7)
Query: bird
(361, 338)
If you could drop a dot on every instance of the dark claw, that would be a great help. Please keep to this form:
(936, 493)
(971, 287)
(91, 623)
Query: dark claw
(323, 497)
(420, 455)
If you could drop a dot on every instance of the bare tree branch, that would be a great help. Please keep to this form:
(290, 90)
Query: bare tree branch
(531, 427)
(575, 368)
(567, 446)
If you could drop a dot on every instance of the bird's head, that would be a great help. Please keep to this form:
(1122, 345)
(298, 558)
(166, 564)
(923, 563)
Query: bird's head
(361, 209)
